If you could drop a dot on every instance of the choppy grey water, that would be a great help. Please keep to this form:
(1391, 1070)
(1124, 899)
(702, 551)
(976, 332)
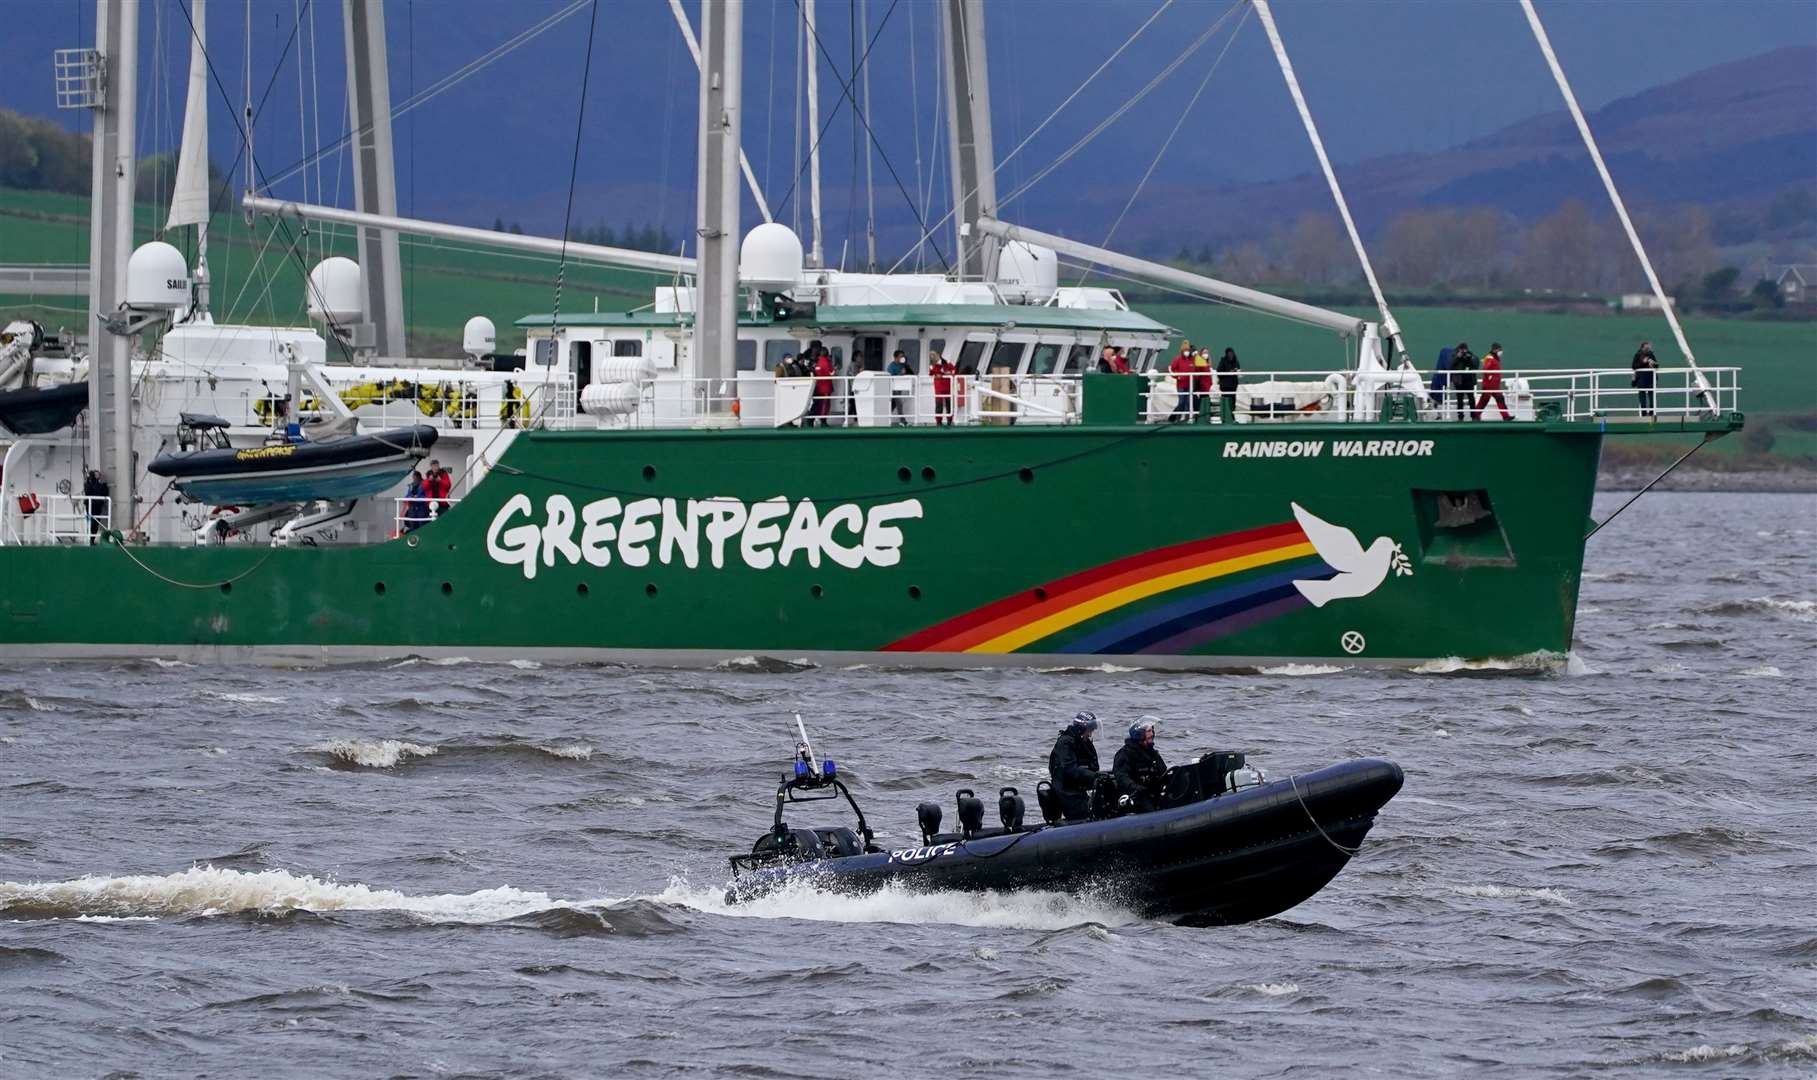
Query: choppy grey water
(1606, 867)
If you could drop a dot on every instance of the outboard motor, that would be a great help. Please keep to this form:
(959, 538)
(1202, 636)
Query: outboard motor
(1010, 809)
(971, 813)
(929, 815)
(1049, 801)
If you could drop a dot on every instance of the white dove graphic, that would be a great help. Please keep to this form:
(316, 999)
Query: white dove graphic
(1358, 571)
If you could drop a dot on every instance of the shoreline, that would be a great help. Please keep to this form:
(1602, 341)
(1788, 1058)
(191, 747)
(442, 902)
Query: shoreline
(1782, 481)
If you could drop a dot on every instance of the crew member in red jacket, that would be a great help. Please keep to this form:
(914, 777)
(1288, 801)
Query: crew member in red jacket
(437, 485)
(943, 371)
(1182, 368)
(823, 387)
(1492, 385)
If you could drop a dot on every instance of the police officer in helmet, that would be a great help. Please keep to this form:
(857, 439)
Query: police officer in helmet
(1073, 767)
(1140, 772)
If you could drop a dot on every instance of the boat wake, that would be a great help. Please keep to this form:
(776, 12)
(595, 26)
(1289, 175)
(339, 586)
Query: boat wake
(1021, 910)
(210, 891)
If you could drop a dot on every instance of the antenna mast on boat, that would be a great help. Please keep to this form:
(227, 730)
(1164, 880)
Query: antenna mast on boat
(189, 198)
(108, 84)
(716, 289)
(1390, 328)
(968, 129)
(810, 43)
(1621, 211)
(375, 178)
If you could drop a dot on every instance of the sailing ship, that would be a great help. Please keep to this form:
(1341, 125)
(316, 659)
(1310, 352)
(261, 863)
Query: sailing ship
(666, 485)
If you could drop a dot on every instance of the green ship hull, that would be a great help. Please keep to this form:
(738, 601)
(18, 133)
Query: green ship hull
(1200, 546)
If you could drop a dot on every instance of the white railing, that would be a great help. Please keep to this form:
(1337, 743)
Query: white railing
(413, 513)
(875, 399)
(57, 518)
(479, 401)
(1613, 393)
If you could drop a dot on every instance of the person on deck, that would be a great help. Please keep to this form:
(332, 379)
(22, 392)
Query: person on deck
(1646, 368)
(1463, 380)
(1492, 385)
(436, 486)
(1140, 772)
(899, 393)
(1182, 382)
(1441, 381)
(1117, 362)
(1072, 765)
(823, 388)
(943, 371)
(1201, 382)
(1228, 366)
(94, 497)
(416, 505)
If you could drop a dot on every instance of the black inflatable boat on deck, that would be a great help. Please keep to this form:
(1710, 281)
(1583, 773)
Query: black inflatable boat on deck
(1214, 853)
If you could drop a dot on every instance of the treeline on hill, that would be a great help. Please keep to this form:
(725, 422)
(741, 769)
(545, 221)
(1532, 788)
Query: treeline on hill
(37, 155)
(1572, 252)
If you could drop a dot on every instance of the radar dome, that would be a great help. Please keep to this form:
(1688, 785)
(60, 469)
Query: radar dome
(336, 293)
(770, 257)
(157, 277)
(1027, 273)
(479, 337)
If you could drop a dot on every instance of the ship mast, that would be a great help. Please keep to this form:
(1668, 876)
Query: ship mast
(189, 198)
(716, 289)
(375, 181)
(810, 43)
(968, 130)
(109, 245)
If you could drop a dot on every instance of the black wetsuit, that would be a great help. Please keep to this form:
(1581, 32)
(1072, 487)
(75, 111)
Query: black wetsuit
(1073, 767)
(1141, 774)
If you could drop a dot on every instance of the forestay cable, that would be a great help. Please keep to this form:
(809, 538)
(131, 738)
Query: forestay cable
(1608, 183)
(1389, 326)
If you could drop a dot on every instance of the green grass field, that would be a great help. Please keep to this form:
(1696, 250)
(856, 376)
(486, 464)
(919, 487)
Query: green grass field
(259, 279)
(262, 282)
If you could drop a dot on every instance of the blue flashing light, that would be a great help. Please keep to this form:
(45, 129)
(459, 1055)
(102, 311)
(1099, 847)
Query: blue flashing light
(828, 769)
(801, 770)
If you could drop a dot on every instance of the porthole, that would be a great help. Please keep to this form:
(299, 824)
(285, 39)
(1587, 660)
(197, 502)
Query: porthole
(927, 473)
(816, 592)
(1027, 475)
(447, 588)
(1041, 594)
(581, 590)
(649, 472)
(914, 592)
(903, 474)
(378, 587)
(650, 591)
(226, 587)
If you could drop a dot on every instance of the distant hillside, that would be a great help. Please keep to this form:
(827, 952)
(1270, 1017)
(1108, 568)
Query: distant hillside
(1733, 138)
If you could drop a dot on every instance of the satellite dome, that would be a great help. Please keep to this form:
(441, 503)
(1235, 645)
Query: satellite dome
(770, 257)
(157, 277)
(336, 293)
(479, 337)
(1027, 273)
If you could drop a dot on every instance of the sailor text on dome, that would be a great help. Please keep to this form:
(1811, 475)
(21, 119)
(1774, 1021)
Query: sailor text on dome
(771, 532)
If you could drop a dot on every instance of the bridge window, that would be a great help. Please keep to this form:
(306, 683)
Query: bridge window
(747, 355)
(627, 347)
(545, 352)
(969, 355)
(1045, 359)
(1008, 354)
(1079, 359)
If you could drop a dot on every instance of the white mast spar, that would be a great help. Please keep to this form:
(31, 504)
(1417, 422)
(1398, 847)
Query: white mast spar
(189, 199)
(811, 43)
(1390, 328)
(968, 127)
(1621, 211)
(744, 161)
(109, 246)
(374, 175)
(721, 100)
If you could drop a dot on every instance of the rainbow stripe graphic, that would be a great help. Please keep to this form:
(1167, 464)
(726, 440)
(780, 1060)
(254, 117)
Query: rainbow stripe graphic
(1169, 600)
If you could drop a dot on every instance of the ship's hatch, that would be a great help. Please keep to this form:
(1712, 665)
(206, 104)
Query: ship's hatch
(1460, 527)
